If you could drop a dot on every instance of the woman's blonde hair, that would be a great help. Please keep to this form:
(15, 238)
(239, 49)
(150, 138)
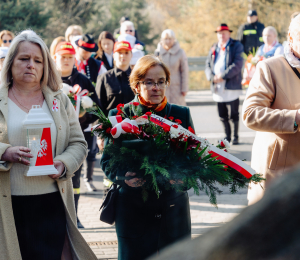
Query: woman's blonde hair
(50, 78)
(55, 42)
(141, 68)
(5, 32)
(70, 31)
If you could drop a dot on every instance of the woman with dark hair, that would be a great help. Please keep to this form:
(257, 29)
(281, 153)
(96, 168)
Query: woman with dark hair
(145, 228)
(106, 43)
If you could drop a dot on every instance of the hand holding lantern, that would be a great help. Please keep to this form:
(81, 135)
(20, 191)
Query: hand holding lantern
(17, 154)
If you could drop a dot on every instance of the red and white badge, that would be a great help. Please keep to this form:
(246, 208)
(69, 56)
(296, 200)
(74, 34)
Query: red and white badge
(55, 107)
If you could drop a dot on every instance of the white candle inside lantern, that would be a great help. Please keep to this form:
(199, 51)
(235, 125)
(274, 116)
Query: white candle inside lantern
(34, 145)
(38, 125)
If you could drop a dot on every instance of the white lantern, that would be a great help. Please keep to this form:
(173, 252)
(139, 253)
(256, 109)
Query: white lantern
(37, 124)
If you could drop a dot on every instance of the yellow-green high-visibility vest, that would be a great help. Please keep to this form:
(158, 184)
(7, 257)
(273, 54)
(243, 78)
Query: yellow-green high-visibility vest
(247, 32)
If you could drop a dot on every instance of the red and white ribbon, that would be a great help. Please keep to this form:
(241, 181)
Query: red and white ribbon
(123, 127)
(221, 155)
(130, 126)
(232, 161)
(77, 90)
(115, 119)
(55, 107)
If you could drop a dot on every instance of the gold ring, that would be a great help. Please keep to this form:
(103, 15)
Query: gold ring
(20, 159)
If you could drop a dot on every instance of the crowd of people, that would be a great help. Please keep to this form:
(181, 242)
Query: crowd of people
(115, 70)
(45, 207)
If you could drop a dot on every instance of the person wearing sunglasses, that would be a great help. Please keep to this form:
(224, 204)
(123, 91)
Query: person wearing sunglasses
(6, 38)
(145, 228)
(127, 27)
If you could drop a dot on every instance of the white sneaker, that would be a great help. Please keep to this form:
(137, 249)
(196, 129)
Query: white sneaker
(90, 186)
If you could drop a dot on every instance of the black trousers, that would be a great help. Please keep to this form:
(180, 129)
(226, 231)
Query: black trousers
(234, 110)
(92, 146)
(41, 225)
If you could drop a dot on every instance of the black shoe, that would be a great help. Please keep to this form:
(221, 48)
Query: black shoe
(235, 141)
(79, 225)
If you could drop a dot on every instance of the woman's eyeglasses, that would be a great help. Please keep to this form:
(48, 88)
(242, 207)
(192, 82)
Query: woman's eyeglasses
(149, 84)
(5, 41)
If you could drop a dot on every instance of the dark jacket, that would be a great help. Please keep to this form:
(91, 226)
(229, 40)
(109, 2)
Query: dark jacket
(105, 62)
(84, 83)
(143, 228)
(233, 64)
(250, 35)
(113, 88)
(92, 69)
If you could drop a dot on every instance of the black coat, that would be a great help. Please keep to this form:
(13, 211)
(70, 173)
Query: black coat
(105, 62)
(233, 64)
(113, 88)
(250, 35)
(84, 83)
(92, 69)
(143, 228)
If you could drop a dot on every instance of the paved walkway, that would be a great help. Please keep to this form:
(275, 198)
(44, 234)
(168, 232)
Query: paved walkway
(102, 237)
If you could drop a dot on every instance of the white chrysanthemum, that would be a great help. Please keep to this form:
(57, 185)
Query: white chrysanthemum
(141, 121)
(227, 144)
(174, 132)
(203, 144)
(86, 102)
(66, 88)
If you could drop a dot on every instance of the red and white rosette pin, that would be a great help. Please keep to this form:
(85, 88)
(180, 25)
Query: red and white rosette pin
(55, 106)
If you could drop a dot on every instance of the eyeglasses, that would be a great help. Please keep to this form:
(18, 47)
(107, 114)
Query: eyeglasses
(5, 41)
(149, 84)
(128, 30)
